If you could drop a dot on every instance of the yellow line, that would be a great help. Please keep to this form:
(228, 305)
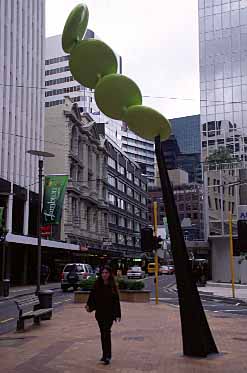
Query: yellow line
(4, 321)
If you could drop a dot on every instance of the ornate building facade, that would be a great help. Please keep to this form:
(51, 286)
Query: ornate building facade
(80, 153)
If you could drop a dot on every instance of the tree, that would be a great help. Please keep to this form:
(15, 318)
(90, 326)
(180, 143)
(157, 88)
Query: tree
(221, 155)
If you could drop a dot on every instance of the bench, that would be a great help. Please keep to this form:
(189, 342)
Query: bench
(36, 313)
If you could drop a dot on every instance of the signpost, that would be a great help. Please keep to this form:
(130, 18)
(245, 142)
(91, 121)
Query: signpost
(156, 256)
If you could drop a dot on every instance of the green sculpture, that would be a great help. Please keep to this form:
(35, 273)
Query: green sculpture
(94, 65)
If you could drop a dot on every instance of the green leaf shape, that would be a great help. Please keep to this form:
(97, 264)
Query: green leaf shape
(147, 122)
(115, 93)
(75, 27)
(90, 60)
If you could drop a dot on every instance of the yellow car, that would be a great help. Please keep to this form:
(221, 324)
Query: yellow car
(151, 268)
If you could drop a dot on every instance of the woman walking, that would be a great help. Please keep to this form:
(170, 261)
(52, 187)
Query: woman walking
(104, 299)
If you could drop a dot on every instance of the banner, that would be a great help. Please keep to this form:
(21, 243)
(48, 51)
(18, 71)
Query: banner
(1, 217)
(54, 191)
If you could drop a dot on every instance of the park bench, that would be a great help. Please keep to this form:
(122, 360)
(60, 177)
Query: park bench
(37, 313)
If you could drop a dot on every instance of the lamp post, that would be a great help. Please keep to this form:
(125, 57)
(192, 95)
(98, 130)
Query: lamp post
(41, 155)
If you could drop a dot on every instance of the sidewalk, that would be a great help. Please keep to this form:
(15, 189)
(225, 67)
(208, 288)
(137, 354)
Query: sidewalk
(148, 339)
(225, 290)
(26, 290)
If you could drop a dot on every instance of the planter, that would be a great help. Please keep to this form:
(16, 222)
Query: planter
(81, 296)
(137, 296)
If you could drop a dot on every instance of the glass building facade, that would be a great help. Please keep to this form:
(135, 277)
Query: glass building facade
(187, 133)
(223, 91)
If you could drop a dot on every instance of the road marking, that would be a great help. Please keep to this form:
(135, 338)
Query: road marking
(238, 310)
(67, 300)
(4, 321)
(57, 303)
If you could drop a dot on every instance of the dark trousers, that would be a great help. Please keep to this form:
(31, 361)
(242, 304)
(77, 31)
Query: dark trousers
(105, 331)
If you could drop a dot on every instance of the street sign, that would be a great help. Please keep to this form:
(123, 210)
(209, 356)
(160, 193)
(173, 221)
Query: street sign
(242, 212)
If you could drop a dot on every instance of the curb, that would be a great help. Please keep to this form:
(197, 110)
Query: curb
(27, 292)
(210, 295)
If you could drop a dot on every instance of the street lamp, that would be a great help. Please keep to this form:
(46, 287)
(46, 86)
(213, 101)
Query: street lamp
(39, 154)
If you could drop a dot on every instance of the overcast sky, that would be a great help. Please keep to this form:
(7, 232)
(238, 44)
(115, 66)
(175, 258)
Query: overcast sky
(158, 41)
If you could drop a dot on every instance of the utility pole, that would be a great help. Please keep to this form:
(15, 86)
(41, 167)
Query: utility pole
(155, 207)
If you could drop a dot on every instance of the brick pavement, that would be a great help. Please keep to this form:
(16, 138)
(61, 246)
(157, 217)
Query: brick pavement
(147, 340)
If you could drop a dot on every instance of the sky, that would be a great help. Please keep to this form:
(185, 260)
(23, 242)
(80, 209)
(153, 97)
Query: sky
(158, 41)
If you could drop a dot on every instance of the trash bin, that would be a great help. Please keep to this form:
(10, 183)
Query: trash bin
(5, 287)
(45, 300)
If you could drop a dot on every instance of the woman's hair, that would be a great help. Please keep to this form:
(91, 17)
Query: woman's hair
(112, 283)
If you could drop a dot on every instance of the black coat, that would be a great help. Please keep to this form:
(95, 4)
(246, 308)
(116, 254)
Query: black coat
(105, 301)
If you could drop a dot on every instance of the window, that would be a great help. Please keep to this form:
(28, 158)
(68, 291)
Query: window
(111, 162)
(121, 221)
(216, 203)
(144, 186)
(130, 208)
(144, 201)
(113, 219)
(137, 181)
(111, 198)
(130, 224)
(137, 196)
(121, 169)
(137, 227)
(120, 203)
(129, 176)
(121, 239)
(130, 192)
(144, 215)
(111, 181)
(121, 186)
(137, 211)
(129, 241)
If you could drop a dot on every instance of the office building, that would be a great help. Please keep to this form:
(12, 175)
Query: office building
(223, 91)
(187, 133)
(128, 198)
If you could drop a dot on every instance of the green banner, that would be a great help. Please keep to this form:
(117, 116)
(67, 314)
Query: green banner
(55, 187)
(1, 217)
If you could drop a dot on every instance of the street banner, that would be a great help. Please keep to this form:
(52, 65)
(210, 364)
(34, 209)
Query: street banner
(54, 191)
(1, 217)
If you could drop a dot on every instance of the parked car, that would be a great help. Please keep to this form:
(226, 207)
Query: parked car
(74, 273)
(167, 270)
(135, 272)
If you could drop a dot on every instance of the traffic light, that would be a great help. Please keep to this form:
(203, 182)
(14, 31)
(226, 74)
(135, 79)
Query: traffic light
(242, 235)
(159, 243)
(147, 239)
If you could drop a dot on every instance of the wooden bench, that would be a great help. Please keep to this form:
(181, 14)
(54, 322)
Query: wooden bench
(30, 301)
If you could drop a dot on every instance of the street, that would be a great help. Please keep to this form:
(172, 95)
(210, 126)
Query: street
(217, 305)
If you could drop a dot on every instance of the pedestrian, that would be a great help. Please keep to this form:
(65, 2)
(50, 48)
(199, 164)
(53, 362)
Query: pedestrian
(104, 299)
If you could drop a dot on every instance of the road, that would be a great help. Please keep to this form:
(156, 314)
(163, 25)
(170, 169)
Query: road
(9, 313)
(220, 307)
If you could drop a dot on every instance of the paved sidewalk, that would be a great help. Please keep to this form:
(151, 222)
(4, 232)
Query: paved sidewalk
(225, 290)
(148, 339)
(29, 289)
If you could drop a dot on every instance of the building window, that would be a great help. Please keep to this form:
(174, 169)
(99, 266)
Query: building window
(121, 186)
(216, 204)
(130, 208)
(111, 199)
(130, 192)
(113, 237)
(121, 239)
(130, 224)
(120, 203)
(144, 201)
(137, 227)
(111, 162)
(112, 181)
(121, 169)
(137, 211)
(121, 221)
(113, 219)
(144, 187)
(137, 181)
(137, 196)
(129, 176)
(129, 241)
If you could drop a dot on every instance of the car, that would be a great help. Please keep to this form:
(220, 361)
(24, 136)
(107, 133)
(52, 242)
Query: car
(74, 273)
(151, 268)
(135, 273)
(167, 270)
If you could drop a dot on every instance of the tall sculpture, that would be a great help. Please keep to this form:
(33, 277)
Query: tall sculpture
(94, 65)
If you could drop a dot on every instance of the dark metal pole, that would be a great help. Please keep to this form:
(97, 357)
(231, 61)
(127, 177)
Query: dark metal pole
(197, 338)
(39, 224)
(4, 261)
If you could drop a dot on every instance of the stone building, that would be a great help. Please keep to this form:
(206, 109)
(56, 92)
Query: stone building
(80, 153)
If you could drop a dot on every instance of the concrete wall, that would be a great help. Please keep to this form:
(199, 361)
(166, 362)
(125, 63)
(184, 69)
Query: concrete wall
(221, 262)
